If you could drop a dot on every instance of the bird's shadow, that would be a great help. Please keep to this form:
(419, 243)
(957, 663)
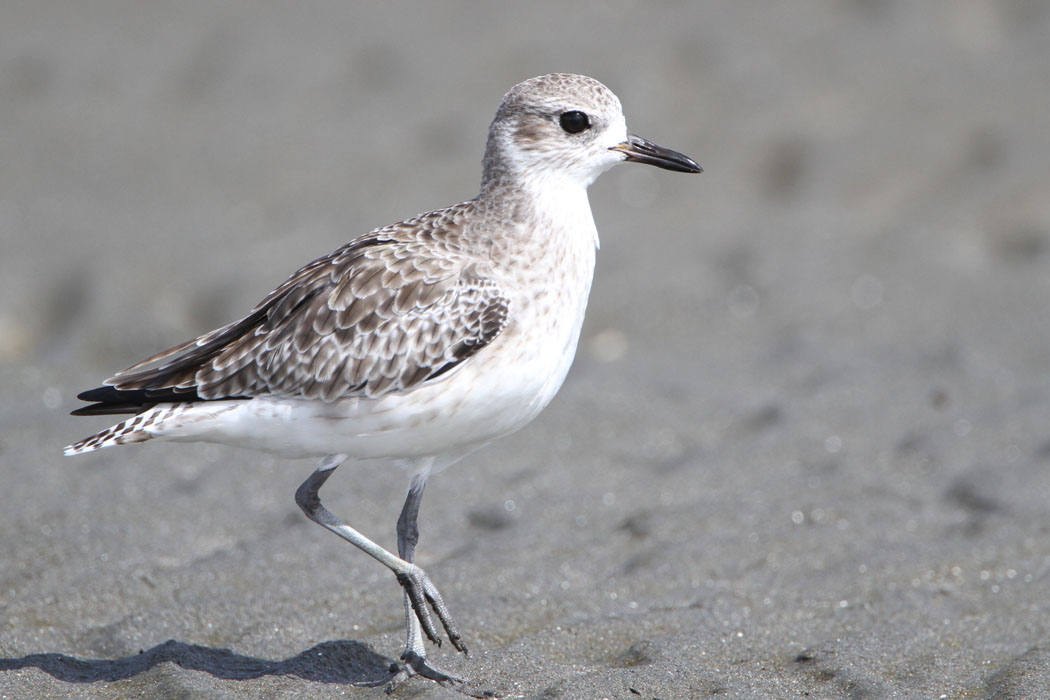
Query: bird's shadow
(343, 661)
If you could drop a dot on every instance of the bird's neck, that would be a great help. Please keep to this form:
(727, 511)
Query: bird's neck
(554, 199)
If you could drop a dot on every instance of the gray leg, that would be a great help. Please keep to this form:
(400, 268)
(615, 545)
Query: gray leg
(419, 591)
(407, 532)
(414, 656)
(407, 536)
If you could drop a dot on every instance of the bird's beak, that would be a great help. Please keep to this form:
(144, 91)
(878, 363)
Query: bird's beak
(638, 150)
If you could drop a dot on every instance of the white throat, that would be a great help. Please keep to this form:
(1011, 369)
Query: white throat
(563, 200)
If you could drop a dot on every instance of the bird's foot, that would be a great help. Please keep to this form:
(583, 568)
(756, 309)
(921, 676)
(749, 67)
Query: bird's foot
(423, 595)
(413, 664)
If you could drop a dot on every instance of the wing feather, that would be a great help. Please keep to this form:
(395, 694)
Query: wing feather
(379, 315)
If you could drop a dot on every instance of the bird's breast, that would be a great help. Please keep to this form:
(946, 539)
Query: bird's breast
(551, 283)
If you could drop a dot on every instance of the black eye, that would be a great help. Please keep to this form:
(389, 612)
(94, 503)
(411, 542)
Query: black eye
(575, 121)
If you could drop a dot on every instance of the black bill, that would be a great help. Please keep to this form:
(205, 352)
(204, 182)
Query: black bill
(638, 150)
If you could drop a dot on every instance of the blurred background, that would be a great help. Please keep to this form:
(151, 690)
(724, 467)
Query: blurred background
(804, 446)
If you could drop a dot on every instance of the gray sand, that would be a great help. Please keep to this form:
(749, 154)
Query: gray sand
(805, 447)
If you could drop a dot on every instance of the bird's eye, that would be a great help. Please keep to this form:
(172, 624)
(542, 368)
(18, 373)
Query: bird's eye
(575, 121)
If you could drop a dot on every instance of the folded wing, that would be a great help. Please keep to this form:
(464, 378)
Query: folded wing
(373, 317)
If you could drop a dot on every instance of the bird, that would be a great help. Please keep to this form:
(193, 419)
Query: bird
(414, 344)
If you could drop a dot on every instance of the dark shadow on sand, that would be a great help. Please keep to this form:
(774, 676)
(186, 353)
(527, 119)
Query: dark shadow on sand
(342, 661)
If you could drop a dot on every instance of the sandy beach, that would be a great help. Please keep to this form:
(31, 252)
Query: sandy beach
(804, 450)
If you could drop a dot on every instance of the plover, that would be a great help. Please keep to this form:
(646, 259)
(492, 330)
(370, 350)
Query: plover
(416, 343)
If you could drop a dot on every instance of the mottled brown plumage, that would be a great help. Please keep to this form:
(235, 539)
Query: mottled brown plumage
(383, 313)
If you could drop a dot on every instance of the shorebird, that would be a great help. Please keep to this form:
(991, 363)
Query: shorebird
(416, 343)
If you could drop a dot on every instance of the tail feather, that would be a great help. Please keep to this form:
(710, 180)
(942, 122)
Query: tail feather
(138, 428)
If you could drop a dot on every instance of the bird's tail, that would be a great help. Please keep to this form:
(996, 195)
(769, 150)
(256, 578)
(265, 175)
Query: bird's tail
(138, 428)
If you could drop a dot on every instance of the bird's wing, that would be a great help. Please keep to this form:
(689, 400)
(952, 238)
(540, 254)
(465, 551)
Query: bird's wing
(376, 316)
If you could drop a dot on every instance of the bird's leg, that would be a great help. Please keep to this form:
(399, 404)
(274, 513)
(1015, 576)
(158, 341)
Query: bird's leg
(414, 656)
(418, 588)
(407, 537)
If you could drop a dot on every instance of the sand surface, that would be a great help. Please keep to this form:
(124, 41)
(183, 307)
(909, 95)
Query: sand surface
(805, 447)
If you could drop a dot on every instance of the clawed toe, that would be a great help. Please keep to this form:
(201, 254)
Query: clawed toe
(412, 664)
(423, 595)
